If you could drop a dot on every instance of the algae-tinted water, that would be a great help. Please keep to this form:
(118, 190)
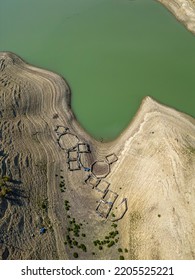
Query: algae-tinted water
(111, 52)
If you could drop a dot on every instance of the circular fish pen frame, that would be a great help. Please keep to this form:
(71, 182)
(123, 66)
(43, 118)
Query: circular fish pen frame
(100, 169)
(68, 141)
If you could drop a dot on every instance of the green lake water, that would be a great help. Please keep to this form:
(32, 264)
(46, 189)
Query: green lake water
(112, 53)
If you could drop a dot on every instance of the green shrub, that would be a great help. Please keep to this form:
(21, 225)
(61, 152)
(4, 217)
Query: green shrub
(83, 247)
(75, 255)
(75, 243)
(4, 191)
(111, 243)
(97, 242)
(6, 178)
(114, 225)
